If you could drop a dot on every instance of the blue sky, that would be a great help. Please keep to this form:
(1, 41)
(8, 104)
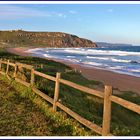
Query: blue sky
(98, 22)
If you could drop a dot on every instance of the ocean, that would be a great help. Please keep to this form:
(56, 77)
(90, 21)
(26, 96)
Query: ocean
(119, 59)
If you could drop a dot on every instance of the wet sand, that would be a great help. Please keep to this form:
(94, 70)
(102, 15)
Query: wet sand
(122, 82)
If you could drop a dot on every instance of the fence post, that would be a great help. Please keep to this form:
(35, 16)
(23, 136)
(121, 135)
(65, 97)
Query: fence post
(0, 64)
(15, 72)
(32, 77)
(56, 92)
(107, 111)
(41, 66)
(7, 69)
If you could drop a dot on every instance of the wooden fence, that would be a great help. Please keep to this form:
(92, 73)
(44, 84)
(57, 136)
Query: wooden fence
(106, 96)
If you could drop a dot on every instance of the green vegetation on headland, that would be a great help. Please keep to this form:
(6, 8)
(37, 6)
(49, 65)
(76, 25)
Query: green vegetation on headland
(123, 121)
(43, 39)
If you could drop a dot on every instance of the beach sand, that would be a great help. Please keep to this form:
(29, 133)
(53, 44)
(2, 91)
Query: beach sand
(122, 82)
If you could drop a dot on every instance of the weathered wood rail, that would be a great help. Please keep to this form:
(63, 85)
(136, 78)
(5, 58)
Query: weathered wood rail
(106, 96)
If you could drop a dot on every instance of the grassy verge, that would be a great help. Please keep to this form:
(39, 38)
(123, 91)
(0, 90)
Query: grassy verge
(25, 114)
(123, 122)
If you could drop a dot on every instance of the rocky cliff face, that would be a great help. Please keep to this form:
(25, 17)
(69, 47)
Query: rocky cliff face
(44, 39)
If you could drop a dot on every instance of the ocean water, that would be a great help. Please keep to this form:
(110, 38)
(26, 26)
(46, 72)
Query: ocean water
(120, 59)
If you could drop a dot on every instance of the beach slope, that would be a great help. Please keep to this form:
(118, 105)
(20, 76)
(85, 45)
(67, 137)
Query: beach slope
(121, 82)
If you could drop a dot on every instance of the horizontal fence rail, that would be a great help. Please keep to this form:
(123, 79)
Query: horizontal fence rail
(24, 65)
(82, 88)
(106, 96)
(45, 76)
(129, 105)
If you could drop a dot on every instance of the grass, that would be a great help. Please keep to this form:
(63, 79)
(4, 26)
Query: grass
(123, 121)
(25, 114)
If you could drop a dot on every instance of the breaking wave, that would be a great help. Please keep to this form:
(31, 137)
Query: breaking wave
(120, 61)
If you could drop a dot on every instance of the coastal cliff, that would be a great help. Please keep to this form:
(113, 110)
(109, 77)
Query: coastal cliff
(44, 39)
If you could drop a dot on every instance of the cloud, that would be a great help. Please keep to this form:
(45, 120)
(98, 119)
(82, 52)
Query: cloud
(59, 14)
(72, 12)
(14, 12)
(110, 10)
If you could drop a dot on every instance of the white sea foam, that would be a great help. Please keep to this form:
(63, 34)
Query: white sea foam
(99, 58)
(116, 67)
(110, 59)
(134, 70)
(70, 56)
(33, 50)
(120, 60)
(47, 55)
(87, 51)
(92, 63)
(101, 52)
(110, 52)
(75, 60)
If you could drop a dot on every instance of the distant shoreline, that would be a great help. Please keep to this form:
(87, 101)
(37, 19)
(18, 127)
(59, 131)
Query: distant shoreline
(121, 81)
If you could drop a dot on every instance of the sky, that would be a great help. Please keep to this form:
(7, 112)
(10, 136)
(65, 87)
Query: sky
(114, 23)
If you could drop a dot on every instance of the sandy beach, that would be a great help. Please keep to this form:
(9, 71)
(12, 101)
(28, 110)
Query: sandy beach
(122, 82)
